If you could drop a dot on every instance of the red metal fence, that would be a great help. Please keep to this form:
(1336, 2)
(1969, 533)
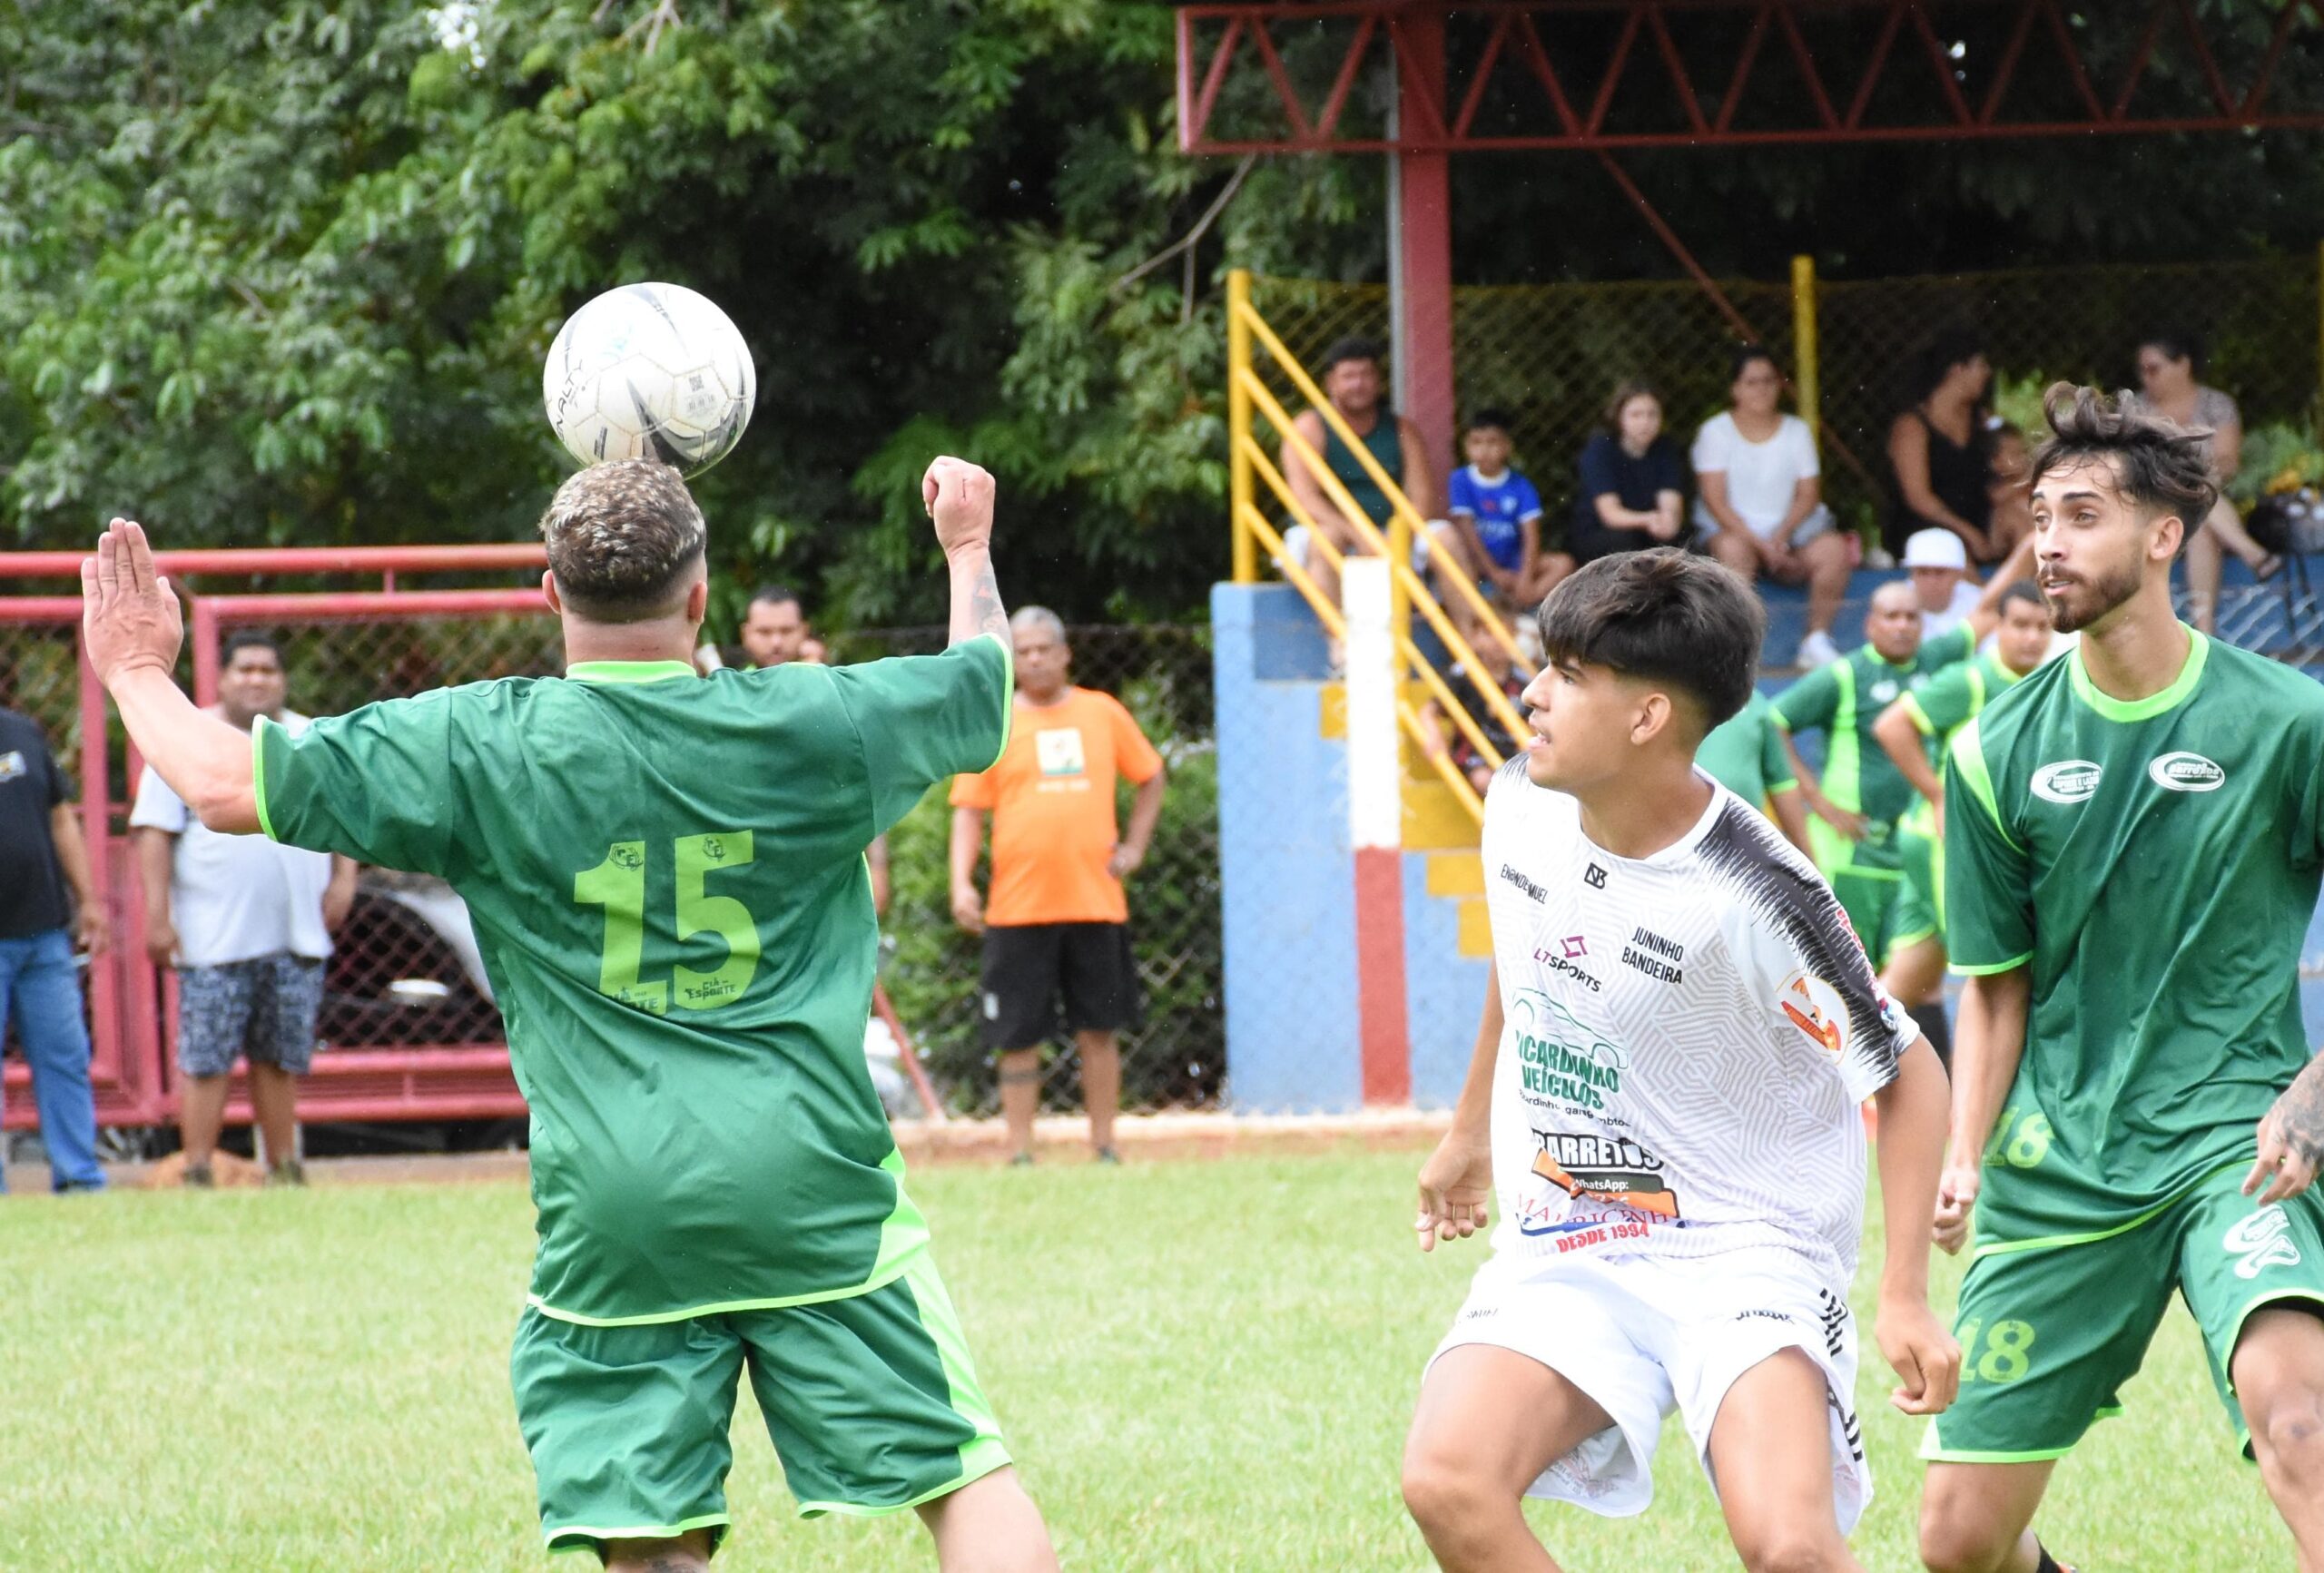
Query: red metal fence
(408, 1029)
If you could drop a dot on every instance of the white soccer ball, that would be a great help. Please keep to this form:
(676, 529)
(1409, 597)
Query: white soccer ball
(649, 371)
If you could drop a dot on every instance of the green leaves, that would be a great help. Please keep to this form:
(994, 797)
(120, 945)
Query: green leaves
(285, 271)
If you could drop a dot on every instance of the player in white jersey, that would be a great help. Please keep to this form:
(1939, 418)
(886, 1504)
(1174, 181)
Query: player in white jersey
(1679, 1032)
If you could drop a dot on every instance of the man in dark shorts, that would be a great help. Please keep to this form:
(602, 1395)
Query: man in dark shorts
(1057, 923)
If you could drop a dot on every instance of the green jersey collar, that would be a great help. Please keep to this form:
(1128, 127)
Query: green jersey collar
(1998, 669)
(2154, 705)
(629, 670)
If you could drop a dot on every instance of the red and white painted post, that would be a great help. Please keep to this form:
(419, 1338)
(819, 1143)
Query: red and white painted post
(1376, 822)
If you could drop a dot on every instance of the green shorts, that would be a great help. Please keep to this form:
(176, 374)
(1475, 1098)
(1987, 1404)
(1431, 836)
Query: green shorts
(2049, 1333)
(870, 1400)
(1865, 883)
(1919, 913)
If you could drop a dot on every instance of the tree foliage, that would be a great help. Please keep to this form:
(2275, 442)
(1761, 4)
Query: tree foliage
(284, 270)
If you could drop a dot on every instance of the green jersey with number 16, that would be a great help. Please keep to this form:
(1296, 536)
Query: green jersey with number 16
(665, 873)
(2155, 862)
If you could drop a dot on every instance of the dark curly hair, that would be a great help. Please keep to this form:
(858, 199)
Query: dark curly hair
(2161, 468)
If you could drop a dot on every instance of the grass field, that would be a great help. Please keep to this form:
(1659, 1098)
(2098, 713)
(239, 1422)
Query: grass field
(1199, 1364)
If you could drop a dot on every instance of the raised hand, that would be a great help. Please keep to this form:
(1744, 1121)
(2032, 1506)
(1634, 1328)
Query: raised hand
(959, 498)
(129, 616)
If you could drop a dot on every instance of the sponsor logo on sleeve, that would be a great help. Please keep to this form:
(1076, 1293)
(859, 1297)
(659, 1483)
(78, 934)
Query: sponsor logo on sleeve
(2069, 780)
(12, 764)
(2187, 773)
(1814, 1007)
(1532, 891)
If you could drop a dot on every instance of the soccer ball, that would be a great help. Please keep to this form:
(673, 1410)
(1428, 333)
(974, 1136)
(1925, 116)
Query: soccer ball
(649, 371)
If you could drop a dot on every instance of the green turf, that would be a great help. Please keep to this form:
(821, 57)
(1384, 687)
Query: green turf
(1199, 1365)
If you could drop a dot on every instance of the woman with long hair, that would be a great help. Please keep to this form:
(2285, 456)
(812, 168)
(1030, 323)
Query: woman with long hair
(1940, 451)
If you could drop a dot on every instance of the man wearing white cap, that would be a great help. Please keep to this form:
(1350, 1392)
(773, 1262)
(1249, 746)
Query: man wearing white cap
(1939, 564)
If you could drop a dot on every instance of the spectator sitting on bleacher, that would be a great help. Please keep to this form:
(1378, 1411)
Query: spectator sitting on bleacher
(2168, 364)
(1496, 518)
(1939, 450)
(1760, 507)
(1633, 481)
(1352, 382)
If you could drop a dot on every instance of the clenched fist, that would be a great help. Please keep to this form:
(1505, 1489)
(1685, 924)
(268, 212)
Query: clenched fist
(959, 498)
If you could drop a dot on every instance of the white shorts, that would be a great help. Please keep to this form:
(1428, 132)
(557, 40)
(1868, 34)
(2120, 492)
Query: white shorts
(1643, 1335)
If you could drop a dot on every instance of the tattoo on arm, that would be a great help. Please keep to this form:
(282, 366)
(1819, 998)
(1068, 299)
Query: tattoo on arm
(2299, 1113)
(983, 613)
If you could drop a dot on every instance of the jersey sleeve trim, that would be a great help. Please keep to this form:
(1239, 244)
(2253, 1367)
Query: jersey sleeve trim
(1008, 690)
(1987, 969)
(1969, 758)
(2190, 672)
(258, 776)
(1911, 704)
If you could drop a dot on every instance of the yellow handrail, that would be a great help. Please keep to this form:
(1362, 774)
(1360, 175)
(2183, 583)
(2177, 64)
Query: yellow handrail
(1400, 569)
(1263, 533)
(1239, 420)
(1400, 508)
(1250, 465)
(1441, 692)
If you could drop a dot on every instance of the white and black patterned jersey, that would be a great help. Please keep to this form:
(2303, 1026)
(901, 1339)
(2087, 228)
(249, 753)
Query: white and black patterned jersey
(1686, 1039)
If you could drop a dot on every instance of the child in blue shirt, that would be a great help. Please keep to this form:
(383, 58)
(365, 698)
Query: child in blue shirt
(1497, 516)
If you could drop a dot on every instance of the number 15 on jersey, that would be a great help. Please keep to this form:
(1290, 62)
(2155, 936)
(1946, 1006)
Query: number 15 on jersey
(618, 885)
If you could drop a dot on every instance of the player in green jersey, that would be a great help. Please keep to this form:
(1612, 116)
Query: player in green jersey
(2133, 843)
(666, 873)
(1745, 754)
(1859, 800)
(1914, 973)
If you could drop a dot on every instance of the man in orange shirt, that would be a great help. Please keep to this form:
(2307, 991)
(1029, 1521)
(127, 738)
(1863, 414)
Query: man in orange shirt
(1057, 923)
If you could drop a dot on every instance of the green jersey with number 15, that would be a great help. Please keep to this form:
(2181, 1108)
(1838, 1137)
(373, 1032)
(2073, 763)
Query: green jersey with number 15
(2155, 862)
(665, 873)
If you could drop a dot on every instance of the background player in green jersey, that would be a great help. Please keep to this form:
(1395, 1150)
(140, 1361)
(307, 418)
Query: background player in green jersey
(2134, 842)
(1746, 754)
(1915, 972)
(665, 873)
(1860, 798)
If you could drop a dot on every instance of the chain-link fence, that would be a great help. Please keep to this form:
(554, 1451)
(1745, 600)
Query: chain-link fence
(1551, 354)
(405, 971)
(1175, 1058)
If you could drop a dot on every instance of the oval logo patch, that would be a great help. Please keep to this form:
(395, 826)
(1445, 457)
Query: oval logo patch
(2070, 780)
(2187, 773)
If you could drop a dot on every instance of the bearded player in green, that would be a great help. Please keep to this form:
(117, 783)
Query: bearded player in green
(666, 876)
(2133, 840)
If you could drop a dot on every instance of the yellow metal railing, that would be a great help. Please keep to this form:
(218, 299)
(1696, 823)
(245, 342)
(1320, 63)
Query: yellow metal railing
(1250, 463)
